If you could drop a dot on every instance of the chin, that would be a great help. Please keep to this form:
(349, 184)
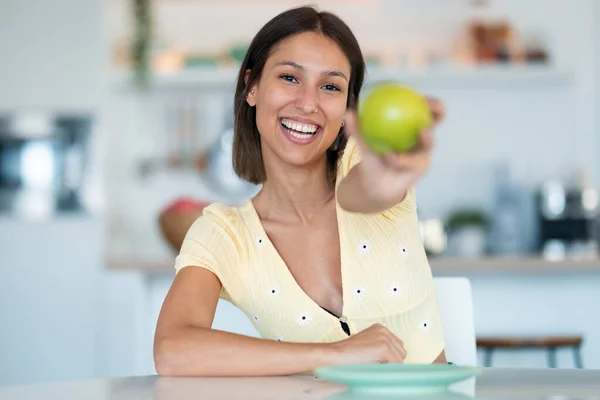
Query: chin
(300, 150)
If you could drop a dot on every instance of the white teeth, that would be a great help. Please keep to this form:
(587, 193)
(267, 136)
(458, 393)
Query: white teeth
(300, 135)
(299, 127)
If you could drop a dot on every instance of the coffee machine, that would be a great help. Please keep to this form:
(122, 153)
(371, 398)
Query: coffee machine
(567, 217)
(43, 162)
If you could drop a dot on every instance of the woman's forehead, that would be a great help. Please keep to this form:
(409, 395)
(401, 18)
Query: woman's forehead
(311, 50)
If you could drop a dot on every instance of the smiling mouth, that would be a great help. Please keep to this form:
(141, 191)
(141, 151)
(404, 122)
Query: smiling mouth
(299, 130)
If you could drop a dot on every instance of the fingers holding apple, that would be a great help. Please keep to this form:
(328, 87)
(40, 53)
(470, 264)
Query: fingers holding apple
(396, 123)
(438, 110)
(393, 129)
(417, 158)
(392, 117)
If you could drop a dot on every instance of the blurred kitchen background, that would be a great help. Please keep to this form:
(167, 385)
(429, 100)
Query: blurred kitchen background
(111, 110)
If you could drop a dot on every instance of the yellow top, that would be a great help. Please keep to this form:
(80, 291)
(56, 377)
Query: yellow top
(385, 275)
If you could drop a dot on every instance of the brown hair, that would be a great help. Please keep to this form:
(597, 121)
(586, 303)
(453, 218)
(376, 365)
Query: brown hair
(247, 153)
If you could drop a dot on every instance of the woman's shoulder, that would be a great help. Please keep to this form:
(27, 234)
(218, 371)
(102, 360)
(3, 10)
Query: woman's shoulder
(221, 219)
(216, 241)
(349, 158)
(221, 212)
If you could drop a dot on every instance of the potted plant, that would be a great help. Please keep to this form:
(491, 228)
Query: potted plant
(467, 231)
(142, 42)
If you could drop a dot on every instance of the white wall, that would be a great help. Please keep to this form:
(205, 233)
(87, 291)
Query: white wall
(596, 145)
(51, 55)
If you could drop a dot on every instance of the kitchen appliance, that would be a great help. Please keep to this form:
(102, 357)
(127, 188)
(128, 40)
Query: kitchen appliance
(567, 220)
(42, 163)
(508, 224)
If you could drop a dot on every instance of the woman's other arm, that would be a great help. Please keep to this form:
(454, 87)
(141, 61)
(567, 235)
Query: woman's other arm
(185, 344)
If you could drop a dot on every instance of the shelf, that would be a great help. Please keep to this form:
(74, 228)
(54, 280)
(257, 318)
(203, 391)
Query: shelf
(511, 266)
(476, 76)
(201, 77)
(497, 76)
(439, 266)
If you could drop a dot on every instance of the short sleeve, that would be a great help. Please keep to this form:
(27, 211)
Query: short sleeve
(407, 207)
(422, 331)
(211, 244)
(350, 157)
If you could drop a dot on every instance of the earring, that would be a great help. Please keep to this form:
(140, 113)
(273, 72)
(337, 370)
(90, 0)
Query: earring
(342, 124)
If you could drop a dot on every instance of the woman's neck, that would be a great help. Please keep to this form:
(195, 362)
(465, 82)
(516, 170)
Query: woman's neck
(294, 194)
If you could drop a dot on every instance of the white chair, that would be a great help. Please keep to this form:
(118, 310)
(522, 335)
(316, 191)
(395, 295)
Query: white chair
(456, 309)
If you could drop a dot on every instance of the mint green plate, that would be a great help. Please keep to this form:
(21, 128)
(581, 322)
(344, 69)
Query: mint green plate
(397, 378)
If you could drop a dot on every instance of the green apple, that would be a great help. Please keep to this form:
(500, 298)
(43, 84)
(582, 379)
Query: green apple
(392, 116)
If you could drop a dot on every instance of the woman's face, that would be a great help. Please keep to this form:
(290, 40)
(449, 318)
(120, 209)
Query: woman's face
(301, 99)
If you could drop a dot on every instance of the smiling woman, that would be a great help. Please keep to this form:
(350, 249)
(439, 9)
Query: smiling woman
(310, 63)
(300, 96)
(326, 260)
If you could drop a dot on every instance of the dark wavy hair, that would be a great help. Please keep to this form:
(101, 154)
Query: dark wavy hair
(247, 153)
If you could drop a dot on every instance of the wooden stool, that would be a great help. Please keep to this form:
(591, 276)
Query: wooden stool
(550, 343)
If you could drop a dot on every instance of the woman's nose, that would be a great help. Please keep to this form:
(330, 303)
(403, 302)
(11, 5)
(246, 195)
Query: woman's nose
(307, 100)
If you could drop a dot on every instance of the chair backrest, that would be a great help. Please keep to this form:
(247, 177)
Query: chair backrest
(456, 309)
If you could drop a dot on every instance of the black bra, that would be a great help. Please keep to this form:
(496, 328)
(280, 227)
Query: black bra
(345, 326)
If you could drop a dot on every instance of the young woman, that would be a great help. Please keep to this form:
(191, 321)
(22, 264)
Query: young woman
(326, 260)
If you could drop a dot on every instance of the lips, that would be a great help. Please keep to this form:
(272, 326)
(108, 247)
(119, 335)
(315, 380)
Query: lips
(298, 131)
(299, 127)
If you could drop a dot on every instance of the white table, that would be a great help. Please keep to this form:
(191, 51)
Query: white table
(494, 383)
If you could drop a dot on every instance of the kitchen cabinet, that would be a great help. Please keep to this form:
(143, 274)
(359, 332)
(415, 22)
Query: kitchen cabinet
(49, 287)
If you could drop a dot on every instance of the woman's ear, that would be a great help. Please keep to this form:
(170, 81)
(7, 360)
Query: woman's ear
(250, 98)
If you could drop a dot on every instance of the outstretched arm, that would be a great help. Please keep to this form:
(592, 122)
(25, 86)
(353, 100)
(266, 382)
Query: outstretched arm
(379, 182)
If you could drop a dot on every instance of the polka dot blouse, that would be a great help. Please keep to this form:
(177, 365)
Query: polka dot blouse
(386, 276)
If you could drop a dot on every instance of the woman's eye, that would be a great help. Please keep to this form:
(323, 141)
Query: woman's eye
(329, 86)
(289, 78)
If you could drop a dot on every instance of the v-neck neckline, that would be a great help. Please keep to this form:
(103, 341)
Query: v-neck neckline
(261, 229)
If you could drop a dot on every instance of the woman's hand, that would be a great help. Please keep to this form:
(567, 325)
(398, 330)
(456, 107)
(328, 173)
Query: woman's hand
(382, 180)
(376, 344)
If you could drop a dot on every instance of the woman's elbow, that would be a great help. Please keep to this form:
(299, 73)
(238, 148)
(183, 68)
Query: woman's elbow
(165, 358)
